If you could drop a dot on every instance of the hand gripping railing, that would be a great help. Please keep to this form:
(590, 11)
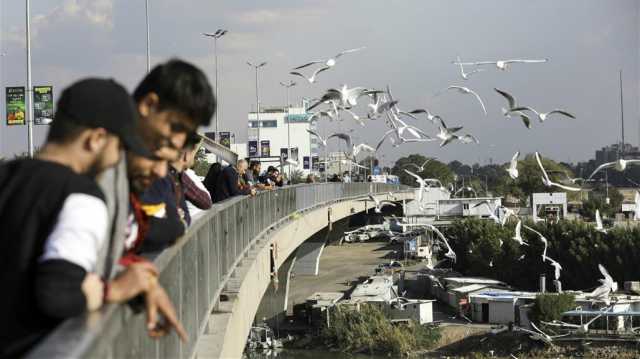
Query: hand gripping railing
(194, 272)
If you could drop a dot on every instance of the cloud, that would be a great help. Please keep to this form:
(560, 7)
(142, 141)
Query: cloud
(261, 17)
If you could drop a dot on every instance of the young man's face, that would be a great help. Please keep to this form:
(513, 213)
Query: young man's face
(143, 171)
(107, 154)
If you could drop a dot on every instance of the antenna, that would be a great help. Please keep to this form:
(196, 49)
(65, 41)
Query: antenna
(621, 116)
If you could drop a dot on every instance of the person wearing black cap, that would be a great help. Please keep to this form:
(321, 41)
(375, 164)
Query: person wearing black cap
(53, 218)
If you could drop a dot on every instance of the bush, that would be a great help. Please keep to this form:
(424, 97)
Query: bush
(369, 331)
(549, 307)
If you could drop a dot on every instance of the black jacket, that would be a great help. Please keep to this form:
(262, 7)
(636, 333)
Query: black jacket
(227, 185)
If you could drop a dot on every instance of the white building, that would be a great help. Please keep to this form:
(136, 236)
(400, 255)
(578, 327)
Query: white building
(552, 206)
(437, 202)
(280, 126)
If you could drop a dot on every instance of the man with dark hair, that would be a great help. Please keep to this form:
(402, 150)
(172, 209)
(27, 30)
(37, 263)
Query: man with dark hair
(272, 177)
(172, 101)
(53, 219)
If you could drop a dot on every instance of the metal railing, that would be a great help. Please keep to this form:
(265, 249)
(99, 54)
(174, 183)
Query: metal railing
(194, 272)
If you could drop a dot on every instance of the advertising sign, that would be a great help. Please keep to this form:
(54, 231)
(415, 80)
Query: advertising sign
(15, 103)
(225, 139)
(42, 105)
(305, 162)
(315, 161)
(283, 154)
(294, 154)
(253, 148)
(265, 149)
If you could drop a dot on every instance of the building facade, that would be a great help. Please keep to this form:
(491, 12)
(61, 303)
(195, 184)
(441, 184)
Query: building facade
(280, 127)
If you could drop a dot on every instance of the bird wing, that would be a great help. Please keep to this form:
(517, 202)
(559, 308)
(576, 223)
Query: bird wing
(539, 160)
(342, 136)
(308, 64)
(412, 164)
(384, 137)
(532, 230)
(314, 133)
(525, 61)
(468, 138)
(350, 51)
(506, 95)
(607, 277)
(427, 161)
(561, 112)
(514, 161)
(459, 88)
(316, 72)
(298, 74)
(568, 188)
(418, 178)
(523, 108)
(598, 219)
(525, 119)
(364, 147)
(479, 100)
(386, 203)
(601, 167)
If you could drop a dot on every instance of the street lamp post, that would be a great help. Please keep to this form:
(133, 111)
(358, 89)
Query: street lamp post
(29, 106)
(287, 86)
(256, 67)
(146, 14)
(215, 36)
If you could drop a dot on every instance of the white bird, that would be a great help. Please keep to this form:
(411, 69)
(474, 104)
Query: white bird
(355, 149)
(330, 62)
(447, 134)
(379, 204)
(542, 116)
(400, 127)
(323, 141)
(557, 267)
(511, 101)
(599, 225)
(431, 117)
(504, 64)
(542, 238)
(421, 182)
(619, 165)
(608, 286)
(465, 75)
(581, 328)
(468, 91)
(346, 96)
(311, 79)
(380, 104)
(492, 211)
(513, 166)
(547, 182)
(468, 138)
(540, 335)
(421, 167)
(319, 114)
(518, 234)
(450, 253)
(355, 117)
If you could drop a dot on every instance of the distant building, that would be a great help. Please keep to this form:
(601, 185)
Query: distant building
(280, 126)
(612, 153)
(437, 203)
(549, 206)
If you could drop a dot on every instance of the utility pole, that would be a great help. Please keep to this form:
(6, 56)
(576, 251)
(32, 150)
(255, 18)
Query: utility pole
(215, 36)
(256, 67)
(146, 12)
(287, 86)
(29, 104)
(621, 116)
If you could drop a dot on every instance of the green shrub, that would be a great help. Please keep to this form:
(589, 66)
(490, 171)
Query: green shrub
(549, 307)
(369, 331)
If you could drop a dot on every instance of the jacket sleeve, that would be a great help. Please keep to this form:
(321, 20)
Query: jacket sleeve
(232, 184)
(58, 288)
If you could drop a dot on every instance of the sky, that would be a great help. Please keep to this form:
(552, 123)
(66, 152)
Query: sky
(409, 46)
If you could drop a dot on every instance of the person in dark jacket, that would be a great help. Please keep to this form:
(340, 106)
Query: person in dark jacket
(229, 184)
(211, 179)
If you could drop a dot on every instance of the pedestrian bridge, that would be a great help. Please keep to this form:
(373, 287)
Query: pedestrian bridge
(217, 274)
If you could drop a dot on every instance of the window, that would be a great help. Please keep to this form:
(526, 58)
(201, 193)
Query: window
(465, 206)
(253, 124)
(269, 123)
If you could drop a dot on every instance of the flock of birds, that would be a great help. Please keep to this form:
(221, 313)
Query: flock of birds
(335, 102)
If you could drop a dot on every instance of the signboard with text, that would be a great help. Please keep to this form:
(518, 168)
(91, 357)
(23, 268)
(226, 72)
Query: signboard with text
(15, 104)
(253, 148)
(283, 154)
(225, 139)
(42, 105)
(315, 163)
(265, 149)
(294, 154)
(305, 162)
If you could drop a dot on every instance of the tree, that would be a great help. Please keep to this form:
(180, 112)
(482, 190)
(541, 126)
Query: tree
(201, 165)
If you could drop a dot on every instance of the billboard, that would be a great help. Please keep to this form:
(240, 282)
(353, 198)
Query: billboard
(315, 163)
(265, 149)
(15, 104)
(283, 154)
(253, 148)
(294, 154)
(42, 105)
(305, 162)
(225, 139)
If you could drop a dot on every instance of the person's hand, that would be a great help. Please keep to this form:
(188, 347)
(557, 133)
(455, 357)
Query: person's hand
(253, 192)
(93, 290)
(137, 278)
(157, 300)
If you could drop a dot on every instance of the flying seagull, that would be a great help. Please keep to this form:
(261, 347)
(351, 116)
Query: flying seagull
(465, 75)
(547, 182)
(542, 238)
(619, 165)
(539, 335)
(379, 204)
(331, 62)
(504, 64)
(512, 104)
(421, 182)
(447, 134)
(468, 138)
(450, 253)
(311, 79)
(492, 211)
(581, 328)
(355, 149)
(513, 166)
(346, 96)
(468, 91)
(606, 287)
(431, 117)
(319, 114)
(323, 141)
(421, 167)
(542, 116)
(557, 267)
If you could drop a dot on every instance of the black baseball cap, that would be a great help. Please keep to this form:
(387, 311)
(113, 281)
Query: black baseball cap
(96, 102)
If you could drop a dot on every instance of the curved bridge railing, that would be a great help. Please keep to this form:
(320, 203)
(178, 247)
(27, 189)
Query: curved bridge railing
(194, 272)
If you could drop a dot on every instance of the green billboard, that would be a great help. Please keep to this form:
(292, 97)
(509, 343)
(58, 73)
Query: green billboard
(15, 104)
(42, 105)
